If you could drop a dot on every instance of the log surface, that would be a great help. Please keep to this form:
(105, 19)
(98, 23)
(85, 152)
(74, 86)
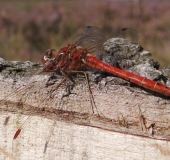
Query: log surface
(127, 123)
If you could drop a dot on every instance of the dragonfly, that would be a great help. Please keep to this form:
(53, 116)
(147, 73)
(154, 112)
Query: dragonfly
(85, 53)
(73, 57)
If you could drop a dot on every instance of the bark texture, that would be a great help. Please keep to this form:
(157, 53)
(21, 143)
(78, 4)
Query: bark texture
(128, 122)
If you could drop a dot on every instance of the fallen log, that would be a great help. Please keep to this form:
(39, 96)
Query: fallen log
(128, 122)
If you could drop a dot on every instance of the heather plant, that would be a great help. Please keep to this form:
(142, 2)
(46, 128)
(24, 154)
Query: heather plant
(28, 28)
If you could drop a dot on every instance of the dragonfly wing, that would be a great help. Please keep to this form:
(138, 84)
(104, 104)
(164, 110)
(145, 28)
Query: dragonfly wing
(129, 33)
(92, 39)
(119, 50)
(113, 50)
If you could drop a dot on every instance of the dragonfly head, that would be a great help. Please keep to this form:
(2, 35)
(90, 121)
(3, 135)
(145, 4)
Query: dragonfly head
(48, 59)
(48, 55)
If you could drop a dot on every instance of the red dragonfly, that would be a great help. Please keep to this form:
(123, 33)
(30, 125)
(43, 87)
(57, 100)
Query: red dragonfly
(74, 57)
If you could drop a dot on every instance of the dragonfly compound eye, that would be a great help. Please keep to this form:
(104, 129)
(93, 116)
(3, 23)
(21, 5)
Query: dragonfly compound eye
(46, 57)
(49, 54)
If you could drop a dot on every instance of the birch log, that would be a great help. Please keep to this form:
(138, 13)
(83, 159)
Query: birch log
(127, 123)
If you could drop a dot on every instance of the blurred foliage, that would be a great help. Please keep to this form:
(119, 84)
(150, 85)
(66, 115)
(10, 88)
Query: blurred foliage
(29, 28)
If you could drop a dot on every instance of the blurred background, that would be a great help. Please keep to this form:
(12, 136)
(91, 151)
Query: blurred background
(29, 28)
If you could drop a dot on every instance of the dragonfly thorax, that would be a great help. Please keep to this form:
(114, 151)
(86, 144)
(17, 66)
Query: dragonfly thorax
(69, 58)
